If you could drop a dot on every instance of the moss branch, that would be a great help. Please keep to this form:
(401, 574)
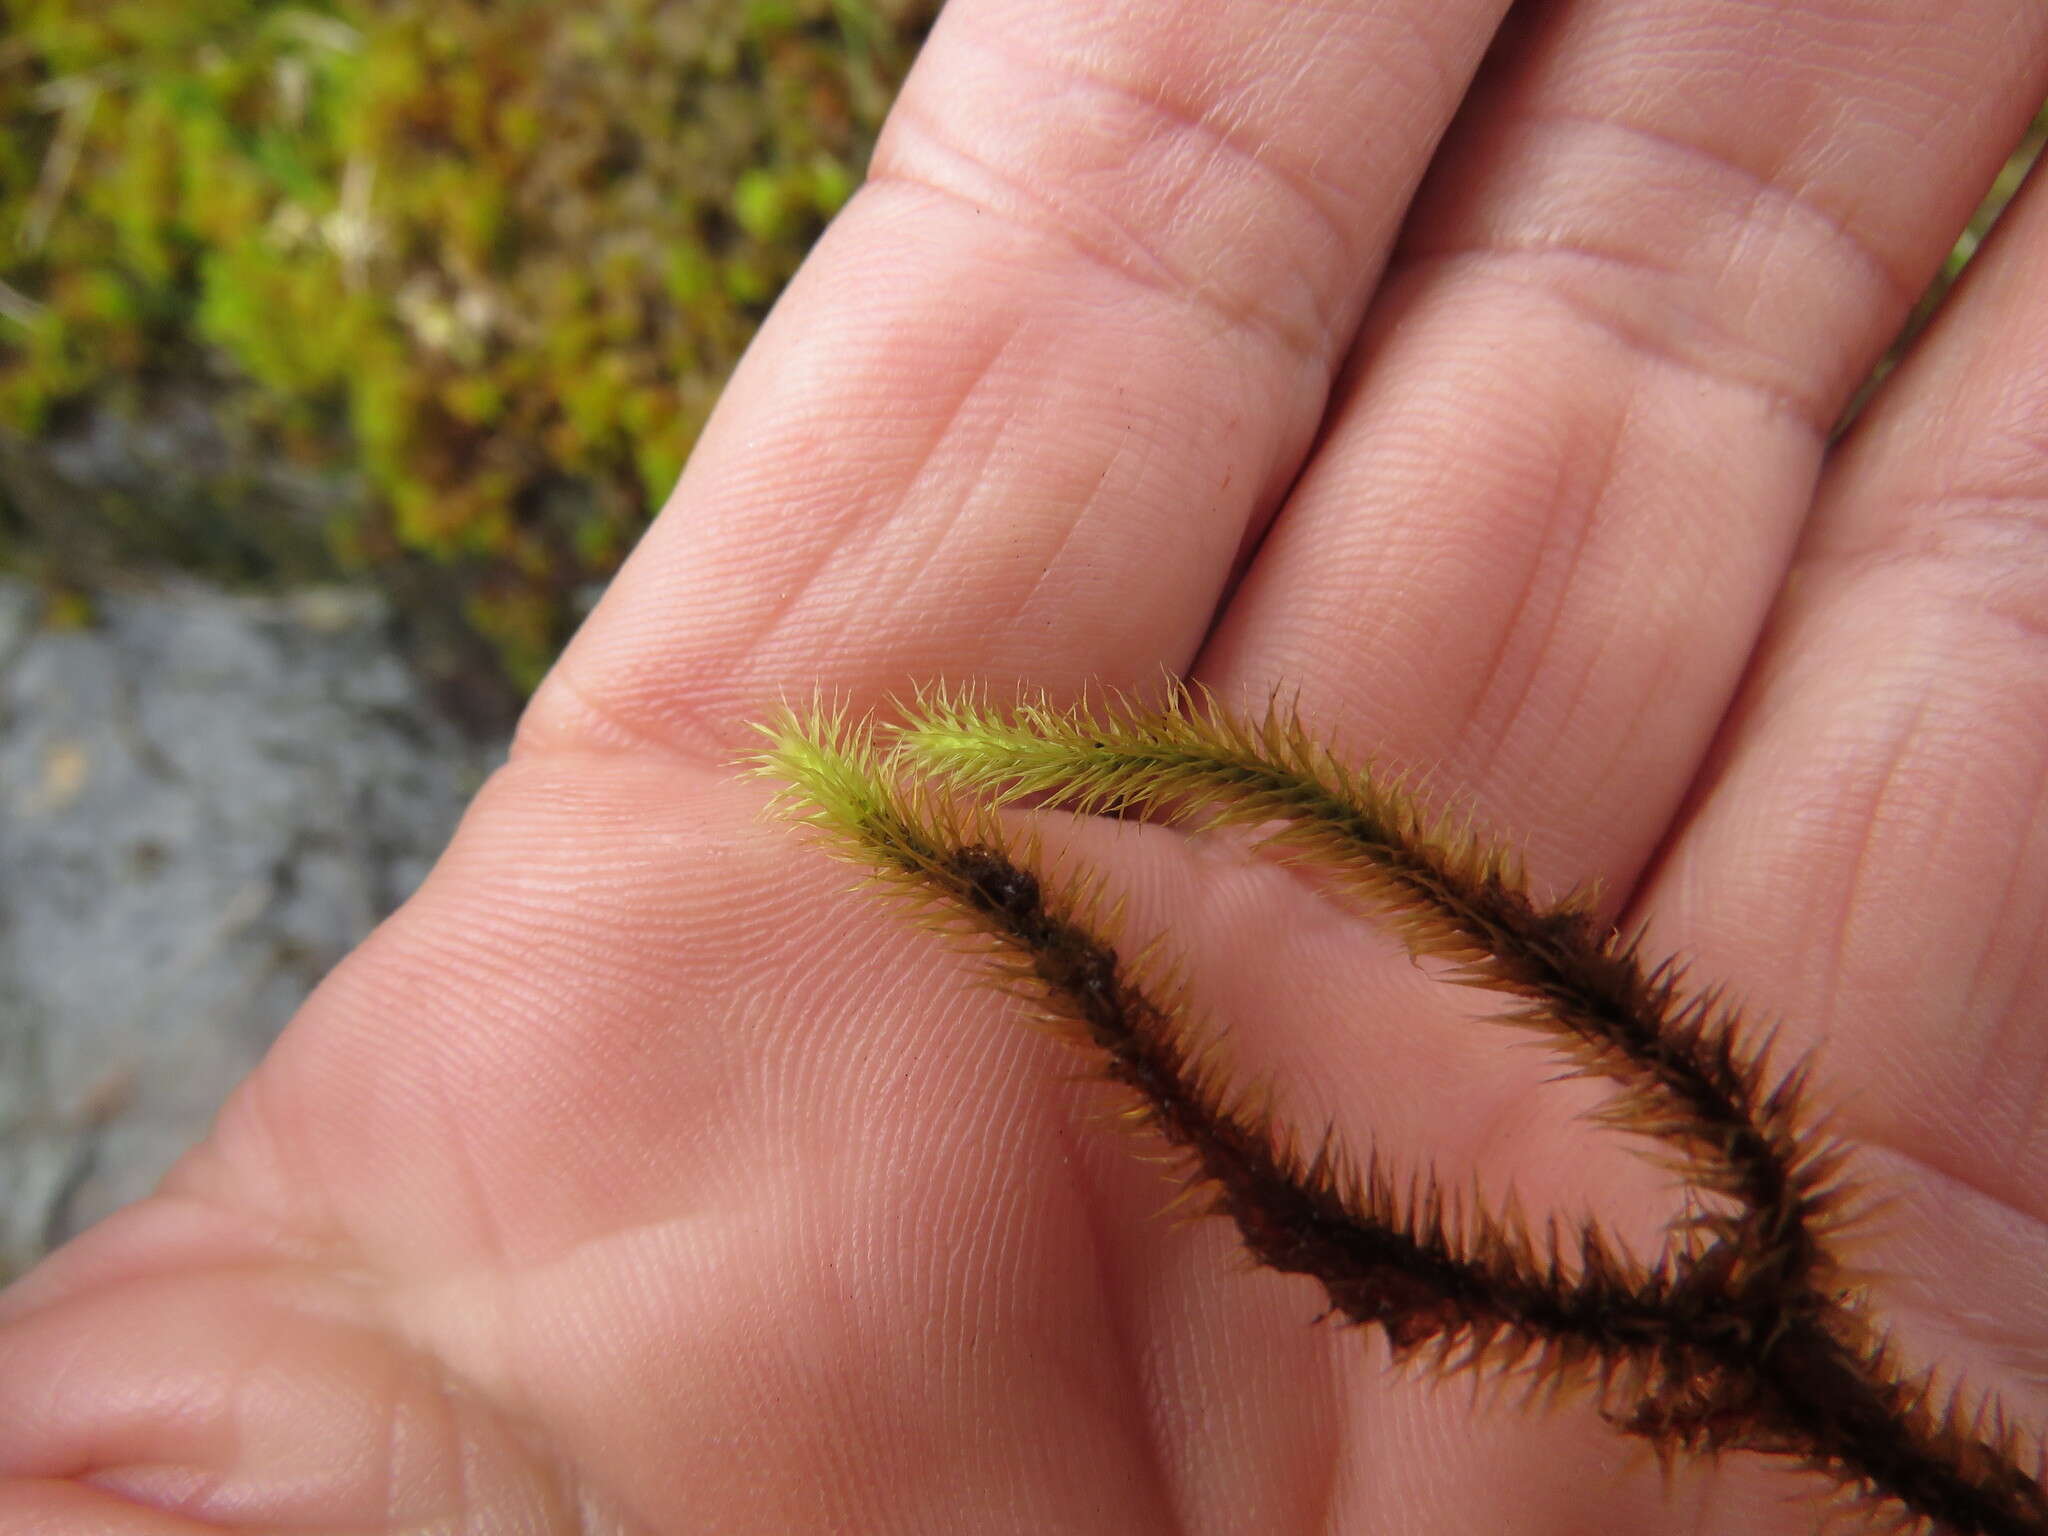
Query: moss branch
(1738, 1338)
(1691, 1079)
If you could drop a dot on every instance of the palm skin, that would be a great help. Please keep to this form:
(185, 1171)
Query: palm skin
(637, 1177)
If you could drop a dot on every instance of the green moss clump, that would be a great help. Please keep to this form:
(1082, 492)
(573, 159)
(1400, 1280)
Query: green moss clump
(496, 255)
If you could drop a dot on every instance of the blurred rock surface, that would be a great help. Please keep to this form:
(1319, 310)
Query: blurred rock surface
(205, 801)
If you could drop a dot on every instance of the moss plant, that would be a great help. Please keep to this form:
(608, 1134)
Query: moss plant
(498, 257)
(1743, 1334)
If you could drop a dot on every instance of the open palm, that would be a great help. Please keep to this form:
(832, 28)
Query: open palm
(636, 1177)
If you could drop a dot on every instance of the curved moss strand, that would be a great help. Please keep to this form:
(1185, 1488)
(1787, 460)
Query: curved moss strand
(1718, 1351)
(1449, 894)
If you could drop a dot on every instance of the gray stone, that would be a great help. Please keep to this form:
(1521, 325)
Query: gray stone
(205, 801)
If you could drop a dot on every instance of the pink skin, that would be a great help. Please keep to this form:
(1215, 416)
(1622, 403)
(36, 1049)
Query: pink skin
(638, 1177)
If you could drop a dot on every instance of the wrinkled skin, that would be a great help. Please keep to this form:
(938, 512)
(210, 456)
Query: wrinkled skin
(639, 1177)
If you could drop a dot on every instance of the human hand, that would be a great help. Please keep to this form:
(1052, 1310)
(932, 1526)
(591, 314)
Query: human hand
(636, 1177)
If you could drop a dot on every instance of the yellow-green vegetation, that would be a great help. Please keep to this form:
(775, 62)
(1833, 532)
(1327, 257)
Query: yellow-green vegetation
(498, 255)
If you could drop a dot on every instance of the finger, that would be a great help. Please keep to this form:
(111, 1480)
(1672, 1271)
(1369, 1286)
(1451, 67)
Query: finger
(636, 1130)
(52, 1507)
(1586, 418)
(1012, 418)
(1873, 849)
(251, 1397)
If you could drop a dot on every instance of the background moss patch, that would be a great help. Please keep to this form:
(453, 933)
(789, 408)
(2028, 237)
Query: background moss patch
(470, 271)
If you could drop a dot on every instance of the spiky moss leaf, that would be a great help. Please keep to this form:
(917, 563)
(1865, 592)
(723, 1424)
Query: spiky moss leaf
(832, 777)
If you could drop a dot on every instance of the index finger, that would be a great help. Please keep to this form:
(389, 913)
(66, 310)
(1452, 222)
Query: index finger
(1069, 343)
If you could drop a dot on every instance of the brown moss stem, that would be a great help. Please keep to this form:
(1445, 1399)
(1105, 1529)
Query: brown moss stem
(1738, 1338)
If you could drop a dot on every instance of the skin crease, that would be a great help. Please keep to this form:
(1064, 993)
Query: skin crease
(637, 1177)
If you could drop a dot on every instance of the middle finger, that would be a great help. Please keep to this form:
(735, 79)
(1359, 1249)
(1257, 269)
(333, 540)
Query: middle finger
(1584, 422)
